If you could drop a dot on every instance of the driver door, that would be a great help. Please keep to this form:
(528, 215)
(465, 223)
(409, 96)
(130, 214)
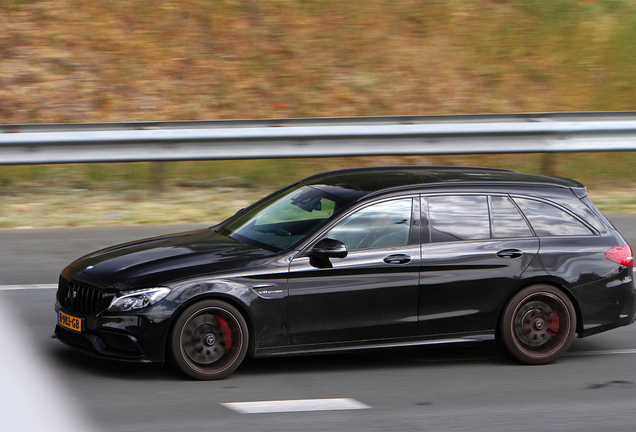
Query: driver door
(370, 294)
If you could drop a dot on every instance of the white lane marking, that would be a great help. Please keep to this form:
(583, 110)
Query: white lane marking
(599, 352)
(27, 287)
(295, 405)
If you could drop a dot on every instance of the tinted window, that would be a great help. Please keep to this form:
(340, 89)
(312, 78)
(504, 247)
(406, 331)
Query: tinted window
(453, 218)
(506, 219)
(284, 219)
(548, 220)
(380, 225)
(597, 212)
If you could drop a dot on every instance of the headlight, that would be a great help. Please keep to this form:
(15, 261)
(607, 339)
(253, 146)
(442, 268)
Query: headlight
(138, 299)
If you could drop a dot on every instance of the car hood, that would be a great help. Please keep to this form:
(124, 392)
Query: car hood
(159, 260)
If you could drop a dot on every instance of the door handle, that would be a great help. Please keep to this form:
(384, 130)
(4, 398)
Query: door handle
(397, 259)
(510, 253)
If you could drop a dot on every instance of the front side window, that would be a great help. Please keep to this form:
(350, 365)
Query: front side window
(455, 218)
(385, 224)
(548, 220)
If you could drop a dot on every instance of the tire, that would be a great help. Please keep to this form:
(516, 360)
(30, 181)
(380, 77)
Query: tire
(537, 325)
(208, 340)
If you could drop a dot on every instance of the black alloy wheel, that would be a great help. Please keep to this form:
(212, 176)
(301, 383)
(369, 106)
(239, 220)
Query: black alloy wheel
(209, 340)
(538, 324)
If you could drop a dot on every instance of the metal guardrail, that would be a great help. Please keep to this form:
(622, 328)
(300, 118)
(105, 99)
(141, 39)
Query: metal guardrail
(320, 137)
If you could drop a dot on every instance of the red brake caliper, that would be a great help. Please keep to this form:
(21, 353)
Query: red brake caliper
(553, 326)
(227, 334)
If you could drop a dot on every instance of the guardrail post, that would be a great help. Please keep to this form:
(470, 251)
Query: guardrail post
(156, 179)
(548, 164)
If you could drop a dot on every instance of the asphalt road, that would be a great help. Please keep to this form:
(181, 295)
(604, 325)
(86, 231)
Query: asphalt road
(449, 388)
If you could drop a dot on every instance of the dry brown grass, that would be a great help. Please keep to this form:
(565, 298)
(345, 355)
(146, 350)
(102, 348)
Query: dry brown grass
(104, 60)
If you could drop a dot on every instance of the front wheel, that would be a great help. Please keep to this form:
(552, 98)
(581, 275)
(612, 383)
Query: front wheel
(209, 340)
(538, 324)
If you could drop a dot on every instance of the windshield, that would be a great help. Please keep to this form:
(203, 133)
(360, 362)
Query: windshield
(286, 218)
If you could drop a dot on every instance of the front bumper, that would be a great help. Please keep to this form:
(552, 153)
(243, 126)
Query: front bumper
(139, 337)
(110, 345)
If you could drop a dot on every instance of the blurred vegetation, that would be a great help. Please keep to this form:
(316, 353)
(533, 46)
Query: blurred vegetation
(103, 60)
(144, 60)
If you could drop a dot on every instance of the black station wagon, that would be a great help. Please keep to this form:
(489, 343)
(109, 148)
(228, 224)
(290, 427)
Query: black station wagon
(360, 259)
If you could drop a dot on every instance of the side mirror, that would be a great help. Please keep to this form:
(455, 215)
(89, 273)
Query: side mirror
(329, 248)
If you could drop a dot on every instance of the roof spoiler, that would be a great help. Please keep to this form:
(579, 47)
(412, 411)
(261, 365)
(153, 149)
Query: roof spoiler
(580, 192)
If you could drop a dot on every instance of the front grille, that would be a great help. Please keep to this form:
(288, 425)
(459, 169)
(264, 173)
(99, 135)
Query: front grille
(78, 298)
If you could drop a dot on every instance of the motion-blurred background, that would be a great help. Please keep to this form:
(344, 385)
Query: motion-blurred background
(76, 61)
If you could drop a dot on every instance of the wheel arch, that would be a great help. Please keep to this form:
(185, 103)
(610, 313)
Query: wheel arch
(233, 301)
(555, 284)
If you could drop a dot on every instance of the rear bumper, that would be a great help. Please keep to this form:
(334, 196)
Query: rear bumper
(607, 304)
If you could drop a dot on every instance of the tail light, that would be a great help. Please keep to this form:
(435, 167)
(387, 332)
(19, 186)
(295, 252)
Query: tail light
(621, 255)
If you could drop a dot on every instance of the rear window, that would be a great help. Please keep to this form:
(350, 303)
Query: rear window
(548, 220)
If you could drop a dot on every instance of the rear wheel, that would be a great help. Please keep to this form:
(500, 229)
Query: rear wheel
(538, 324)
(209, 340)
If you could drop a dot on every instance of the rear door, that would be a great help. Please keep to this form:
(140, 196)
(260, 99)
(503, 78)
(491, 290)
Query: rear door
(474, 248)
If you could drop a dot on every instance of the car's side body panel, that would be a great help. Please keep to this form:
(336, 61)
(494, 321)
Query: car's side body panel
(462, 283)
(361, 297)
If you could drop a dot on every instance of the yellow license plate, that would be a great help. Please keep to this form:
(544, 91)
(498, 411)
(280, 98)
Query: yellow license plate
(68, 321)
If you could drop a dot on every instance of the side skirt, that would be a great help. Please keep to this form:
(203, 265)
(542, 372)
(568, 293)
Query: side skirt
(370, 345)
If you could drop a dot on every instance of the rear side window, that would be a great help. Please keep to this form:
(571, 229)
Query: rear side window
(548, 220)
(454, 218)
(506, 219)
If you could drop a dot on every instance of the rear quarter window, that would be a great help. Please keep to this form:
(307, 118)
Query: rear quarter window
(549, 220)
(588, 202)
(506, 219)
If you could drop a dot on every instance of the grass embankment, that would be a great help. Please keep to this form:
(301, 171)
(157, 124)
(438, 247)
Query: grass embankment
(121, 194)
(142, 60)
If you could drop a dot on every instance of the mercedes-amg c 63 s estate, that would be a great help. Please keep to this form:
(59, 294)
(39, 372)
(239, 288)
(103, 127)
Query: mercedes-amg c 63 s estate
(360, 259)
